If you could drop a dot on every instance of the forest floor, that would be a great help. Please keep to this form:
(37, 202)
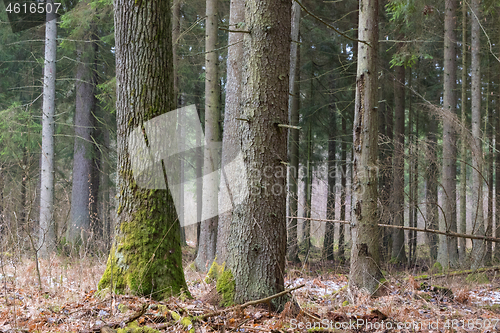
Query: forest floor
(68, 302)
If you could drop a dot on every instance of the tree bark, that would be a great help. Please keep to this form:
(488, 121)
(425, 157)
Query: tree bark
(47, 235)
(448, 251)
(256, 256)
(231, 145)
(478, 246)
(365, 273)
(431, 188)
(208, 232)
(328, 240)
(293, 135)
(145, 258)
(398, 236)
(79, 231)
(463, 142)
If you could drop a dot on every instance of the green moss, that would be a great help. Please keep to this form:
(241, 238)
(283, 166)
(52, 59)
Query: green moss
(345, 303)
(480, 278)
(134, 327)
(185, 321)
(122, 308)
(145, 258)
(437, 268)
(226, 287)
(214, 272)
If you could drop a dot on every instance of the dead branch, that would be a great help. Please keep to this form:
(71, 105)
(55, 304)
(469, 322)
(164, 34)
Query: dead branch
(432, 231)
(247, 304)
(457, 273)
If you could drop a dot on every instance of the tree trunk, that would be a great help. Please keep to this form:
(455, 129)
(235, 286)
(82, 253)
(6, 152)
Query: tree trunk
(343, 189)
(293, 135)
(332, 189)
(448, 251)
(257, 253)
(208, 231)
(306, 226)
(463, 143)
(497, 174)
(365, 271)
(79, 231)
(489, 169)
(47, 235)
(431, 188)
(145, 258)
(478, 246)
(230, 140)
(398, 236)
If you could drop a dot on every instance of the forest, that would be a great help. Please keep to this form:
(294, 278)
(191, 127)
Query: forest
(249, 166)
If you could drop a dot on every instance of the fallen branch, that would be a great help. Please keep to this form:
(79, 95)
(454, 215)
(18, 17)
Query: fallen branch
(247, 304)
(109, 326)
(432, 231)
(457, 273)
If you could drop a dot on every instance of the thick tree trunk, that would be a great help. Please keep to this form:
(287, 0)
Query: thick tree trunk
(79, 231)
(230, 141)
(208, 232)
(463, 142)
(47, 235)
(365, 272)
(257, 253)
(293, 135)
(448, 247)
(398, 236)
(478, 246)
(145, 258)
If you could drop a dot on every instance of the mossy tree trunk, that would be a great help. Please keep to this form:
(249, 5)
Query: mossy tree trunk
(256, 254)
(145, 258)
(365, 272)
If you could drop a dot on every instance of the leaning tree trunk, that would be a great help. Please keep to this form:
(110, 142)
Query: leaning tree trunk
(79, 232)
(256, 255)
(365, 272)
(145, 258)
(46, 236)
(208, 232)
(448, 247)
(293, 135)
(478, 246)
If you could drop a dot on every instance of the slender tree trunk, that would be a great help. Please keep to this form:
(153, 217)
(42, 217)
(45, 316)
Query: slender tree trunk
(208, 233)
(448, 250)
(257, 252)
(79, 230)
(199, 169)
(343, 189)
(328, 240)
(497, 172)
(365, 272)
(478, 246)
(293, 135)
(306, 226)
(47, 235)
(398, 236)
(463, 142)
(489, 169)
(431, 188)
(231, 144)
(146, 257)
